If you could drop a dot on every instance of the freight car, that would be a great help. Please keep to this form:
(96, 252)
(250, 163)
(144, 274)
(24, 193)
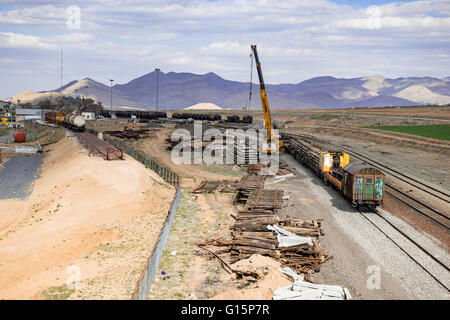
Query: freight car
(147, 115)
(247, 119)
(233, 118)
(55, 117)
(74, 122)
(197, 116)
(361, 183)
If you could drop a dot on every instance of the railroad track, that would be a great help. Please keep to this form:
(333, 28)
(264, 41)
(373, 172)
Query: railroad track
(417, 205)
(416, 183)
(416, 252)
(443, 266)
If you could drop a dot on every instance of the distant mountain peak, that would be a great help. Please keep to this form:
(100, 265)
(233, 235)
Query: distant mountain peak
(374, 77)
(182, 89)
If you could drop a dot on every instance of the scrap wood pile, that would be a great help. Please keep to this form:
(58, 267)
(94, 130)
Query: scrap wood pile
(257, 230)
(245, 187)
(261, 232)
(228, 186)
(255, 169)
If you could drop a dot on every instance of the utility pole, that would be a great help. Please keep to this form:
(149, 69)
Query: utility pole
(157, 80)
(61, 68)
(61, 94)
(250, 91)
(85, 99)
(111, 93)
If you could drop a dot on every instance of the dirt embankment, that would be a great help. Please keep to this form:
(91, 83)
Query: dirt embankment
(45, 135)
(86, 216)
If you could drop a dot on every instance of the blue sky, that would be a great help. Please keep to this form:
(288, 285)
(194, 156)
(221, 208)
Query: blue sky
(297, 39)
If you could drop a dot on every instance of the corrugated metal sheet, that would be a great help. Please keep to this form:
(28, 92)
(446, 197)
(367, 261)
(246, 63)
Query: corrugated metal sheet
(36, 112)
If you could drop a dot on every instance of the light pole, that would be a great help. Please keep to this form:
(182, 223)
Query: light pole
(157, 79)
(111, 92)
(85, 103)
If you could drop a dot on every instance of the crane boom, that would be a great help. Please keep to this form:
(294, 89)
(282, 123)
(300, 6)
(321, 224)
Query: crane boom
(262, 91)
(269, 147)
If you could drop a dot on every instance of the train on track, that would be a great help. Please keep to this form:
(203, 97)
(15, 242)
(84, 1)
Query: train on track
(153, 115)
(197, 116)
(74, 122)
(147, 115)
(359, 182)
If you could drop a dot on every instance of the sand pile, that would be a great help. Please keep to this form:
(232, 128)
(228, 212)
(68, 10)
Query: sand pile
(270, 278)
(36, 97)
(204, 106)
(102, 217)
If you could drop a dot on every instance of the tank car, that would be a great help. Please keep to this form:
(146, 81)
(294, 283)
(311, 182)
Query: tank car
(74, 121)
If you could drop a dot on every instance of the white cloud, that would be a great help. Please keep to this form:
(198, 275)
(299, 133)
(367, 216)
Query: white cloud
(296, 39)
(15, 40)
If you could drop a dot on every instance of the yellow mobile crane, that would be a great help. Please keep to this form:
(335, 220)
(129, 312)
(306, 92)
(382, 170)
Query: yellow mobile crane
(268, 147)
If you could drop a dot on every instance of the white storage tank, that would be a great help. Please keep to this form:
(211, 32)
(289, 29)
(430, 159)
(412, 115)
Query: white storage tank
(75, 120)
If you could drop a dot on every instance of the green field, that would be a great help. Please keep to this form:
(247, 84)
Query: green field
(441, 132)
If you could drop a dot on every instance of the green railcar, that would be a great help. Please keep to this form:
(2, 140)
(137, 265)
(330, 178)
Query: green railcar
(363, 184)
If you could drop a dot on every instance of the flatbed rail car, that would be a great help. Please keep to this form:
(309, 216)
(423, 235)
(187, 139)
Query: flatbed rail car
(319, 160)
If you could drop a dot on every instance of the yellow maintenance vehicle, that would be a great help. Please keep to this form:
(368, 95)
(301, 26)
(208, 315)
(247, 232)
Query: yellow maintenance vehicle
(269, 146)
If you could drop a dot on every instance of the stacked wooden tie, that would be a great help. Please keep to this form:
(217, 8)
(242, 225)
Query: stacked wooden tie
(250, 236)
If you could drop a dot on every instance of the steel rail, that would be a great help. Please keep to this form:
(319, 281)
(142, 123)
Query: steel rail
(413, 242)
(396, 173)
(445, 222)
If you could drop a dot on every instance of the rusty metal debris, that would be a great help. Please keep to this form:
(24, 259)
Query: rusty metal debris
(255, 169)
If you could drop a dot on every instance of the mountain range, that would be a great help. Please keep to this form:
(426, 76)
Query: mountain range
(180, 90)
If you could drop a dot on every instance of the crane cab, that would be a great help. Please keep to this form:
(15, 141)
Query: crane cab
(270, 148)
